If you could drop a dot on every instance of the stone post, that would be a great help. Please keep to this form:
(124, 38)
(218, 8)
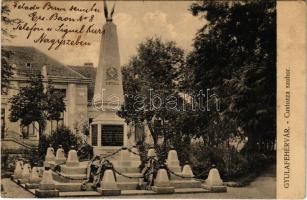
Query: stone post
(49, 156)
(151, 152)
(60, 156)
(18, 170)
(187, 171)
(162, 184)
(25, 175)
(172, 161)
(46, 187)
(72, 160)
(34, 179)
(108, 185)
(214, 182)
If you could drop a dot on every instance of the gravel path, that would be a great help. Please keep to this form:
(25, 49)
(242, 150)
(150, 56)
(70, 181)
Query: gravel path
(11, 189)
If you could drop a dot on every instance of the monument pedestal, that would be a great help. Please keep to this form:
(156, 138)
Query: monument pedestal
(108, 133)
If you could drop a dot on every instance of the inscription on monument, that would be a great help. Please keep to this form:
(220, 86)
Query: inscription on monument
(112, 135)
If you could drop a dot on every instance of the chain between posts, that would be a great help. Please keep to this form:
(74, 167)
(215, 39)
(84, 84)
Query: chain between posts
(170, 171)
(59, 174)
(133, 152)
(121, 174)
(112, 154)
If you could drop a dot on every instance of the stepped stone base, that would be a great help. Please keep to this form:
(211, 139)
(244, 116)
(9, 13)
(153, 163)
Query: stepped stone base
(109, 192)
(68, 187)
(136, 177)
(163, 190)
(46, 193)
(176, 169)
(127, 169)
(127, 185)
(62, 179)
(186, 184)
(221, 188)
(50, 164)
(74, 170)
(72, 164)
(13, 178)
(60, 162)
(32, 185)
(135, 163)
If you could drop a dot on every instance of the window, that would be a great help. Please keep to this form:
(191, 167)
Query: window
(62, 91)
(94, 134)
(112, 135)
(29, 68)
(4, 90)
(29, 131)
(2, 122)
(57, 123)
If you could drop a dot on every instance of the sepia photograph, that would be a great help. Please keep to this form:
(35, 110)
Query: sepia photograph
(140, 99)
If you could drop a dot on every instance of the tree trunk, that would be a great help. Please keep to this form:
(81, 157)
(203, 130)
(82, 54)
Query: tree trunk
(153, 134)
(51, 123)
(41, 129)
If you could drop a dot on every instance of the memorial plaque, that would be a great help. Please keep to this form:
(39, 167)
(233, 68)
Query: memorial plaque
(94, 134)
(112, 135)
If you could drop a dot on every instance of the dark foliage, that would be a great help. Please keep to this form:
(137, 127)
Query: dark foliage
(62, 136)
(33, 104)
(235, 56)
(6, 71)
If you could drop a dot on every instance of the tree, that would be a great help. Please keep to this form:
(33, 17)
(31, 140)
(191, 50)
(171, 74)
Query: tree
(65, 137)
(33, 104)
(6, 68)
(7, 21)
(150, 87)
(6, 71)
(56, 105)
(235, 56)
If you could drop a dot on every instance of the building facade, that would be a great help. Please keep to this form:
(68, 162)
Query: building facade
(71, 83)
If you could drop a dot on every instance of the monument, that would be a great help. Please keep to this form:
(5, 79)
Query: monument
(108, 131)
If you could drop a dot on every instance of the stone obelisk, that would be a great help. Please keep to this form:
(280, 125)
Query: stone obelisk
(107, 128)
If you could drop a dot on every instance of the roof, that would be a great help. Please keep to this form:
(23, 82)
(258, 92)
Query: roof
(87, 71)
(21, 55)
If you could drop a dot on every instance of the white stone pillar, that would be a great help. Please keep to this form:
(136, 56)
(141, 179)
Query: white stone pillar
(71, 107)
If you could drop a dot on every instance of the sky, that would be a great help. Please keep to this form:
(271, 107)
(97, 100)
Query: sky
(135, 20)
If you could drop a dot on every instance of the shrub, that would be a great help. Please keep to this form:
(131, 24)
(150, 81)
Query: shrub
(85, 152)
(62, 136)
(230, 163)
